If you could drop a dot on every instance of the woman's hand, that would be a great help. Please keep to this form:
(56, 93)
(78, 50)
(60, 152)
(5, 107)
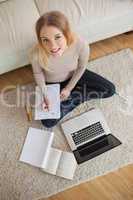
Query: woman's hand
(64, 94)
(46, 104)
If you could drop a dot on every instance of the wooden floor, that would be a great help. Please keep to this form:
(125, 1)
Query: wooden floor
(117, 185)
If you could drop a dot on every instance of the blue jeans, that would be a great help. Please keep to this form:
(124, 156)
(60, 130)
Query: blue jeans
(89, 86)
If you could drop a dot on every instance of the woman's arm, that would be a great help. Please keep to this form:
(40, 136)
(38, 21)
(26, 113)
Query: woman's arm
(40, 80)
(39, 76)
(82, 62)
(38, 73)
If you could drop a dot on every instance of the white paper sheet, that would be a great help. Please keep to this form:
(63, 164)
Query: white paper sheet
(37, 144)
(53, 161)
(67, 165)
(53, 92)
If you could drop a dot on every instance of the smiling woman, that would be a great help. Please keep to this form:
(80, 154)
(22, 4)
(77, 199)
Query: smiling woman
(53, 33)
(61, 56)
(53, 40)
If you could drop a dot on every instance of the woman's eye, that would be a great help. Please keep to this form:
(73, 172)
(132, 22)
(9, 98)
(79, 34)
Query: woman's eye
(45, 40)
(57, 37)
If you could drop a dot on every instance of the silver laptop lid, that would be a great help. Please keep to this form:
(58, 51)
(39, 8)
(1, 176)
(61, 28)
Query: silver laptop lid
(82, 121)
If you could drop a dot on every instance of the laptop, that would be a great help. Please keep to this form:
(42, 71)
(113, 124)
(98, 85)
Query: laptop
(88, 135)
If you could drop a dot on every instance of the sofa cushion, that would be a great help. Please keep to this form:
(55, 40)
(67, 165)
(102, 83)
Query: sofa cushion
(17, 32)
(92, 9)
(85, 15)
(3, 0)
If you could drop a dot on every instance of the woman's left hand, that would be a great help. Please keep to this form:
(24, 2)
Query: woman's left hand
(64, 94)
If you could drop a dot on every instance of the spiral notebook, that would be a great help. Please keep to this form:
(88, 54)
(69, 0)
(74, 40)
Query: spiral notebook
(53, 93)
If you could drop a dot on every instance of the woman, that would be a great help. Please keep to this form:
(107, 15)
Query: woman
(61, 57)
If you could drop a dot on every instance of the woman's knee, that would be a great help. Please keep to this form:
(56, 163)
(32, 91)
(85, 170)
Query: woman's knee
(111, 90)
(49, 123)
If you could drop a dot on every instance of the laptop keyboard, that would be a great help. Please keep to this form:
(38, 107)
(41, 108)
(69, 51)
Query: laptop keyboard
(87, 133)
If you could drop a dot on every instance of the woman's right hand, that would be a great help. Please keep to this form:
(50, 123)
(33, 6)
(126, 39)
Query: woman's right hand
(46, 104)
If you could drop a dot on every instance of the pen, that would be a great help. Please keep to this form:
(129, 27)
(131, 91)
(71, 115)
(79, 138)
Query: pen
(28, 112)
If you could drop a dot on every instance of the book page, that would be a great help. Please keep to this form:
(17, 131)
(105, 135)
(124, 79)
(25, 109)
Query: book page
(67, 165)
(53, 92)
(53, 161)
(36, 146)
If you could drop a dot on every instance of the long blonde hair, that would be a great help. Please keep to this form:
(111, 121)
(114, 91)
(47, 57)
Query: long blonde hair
(60, 21)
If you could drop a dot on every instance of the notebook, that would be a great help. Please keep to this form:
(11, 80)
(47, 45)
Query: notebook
(53, 92)
(38, 151)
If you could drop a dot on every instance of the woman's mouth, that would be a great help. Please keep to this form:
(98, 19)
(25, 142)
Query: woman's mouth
(55, 51)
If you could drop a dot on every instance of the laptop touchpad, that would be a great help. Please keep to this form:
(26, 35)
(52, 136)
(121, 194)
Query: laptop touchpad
(93, 147)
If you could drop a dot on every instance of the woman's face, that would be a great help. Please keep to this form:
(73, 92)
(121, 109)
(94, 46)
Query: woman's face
(53, 40)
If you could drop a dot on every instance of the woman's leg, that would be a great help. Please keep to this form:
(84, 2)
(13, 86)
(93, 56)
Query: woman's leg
(89, 86)
(93, 85)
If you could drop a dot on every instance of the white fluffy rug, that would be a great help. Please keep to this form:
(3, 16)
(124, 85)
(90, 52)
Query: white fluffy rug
(19, 181)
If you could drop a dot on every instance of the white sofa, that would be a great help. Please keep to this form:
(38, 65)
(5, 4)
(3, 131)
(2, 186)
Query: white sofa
(93, 19)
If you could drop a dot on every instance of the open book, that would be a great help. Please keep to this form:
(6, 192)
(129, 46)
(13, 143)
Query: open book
(37, 151)
(53, 93)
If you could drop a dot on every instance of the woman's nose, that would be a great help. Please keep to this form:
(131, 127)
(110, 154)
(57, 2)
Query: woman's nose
(53, 45)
